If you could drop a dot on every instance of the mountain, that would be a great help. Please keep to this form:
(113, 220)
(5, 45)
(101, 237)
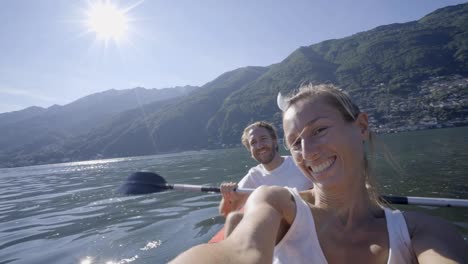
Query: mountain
(17, 116)
(34, 128)
(407, 76)
(172, 125)
(386, 63)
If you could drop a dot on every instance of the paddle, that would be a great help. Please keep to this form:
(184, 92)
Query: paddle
(150, 182)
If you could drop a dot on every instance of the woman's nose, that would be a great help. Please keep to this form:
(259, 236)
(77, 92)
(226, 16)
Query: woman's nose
(310, 150)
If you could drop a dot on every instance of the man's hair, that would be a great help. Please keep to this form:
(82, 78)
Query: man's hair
(269, 127)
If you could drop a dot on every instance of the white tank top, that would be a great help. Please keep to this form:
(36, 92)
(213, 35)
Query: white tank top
(298, 246)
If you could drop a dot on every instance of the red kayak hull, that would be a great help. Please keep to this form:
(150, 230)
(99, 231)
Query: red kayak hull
(218, 237)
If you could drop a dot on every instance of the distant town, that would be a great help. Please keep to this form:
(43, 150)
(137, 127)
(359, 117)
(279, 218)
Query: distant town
(437, 103)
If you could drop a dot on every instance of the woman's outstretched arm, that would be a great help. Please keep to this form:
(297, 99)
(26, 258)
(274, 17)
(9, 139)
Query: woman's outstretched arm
(435, 240)
(253, 240)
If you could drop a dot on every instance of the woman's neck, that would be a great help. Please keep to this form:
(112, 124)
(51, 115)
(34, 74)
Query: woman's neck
(351, 205)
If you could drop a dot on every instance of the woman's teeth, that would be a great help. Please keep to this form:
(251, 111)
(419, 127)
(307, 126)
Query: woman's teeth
(321, 167)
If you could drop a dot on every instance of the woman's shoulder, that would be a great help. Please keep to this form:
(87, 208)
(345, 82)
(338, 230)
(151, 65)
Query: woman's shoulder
(275, 194)
(308, 196)
(278, 197)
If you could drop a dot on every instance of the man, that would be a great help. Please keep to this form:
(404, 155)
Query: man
(261, 140)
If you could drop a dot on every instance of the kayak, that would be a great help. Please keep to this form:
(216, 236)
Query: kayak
(218, 237)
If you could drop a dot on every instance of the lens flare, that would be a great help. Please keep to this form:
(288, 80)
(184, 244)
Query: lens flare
(107, 21)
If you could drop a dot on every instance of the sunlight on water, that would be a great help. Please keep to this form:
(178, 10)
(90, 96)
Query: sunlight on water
(151, 245)
(124, 261)
(89, 260)
(95, 162)
(148, 246)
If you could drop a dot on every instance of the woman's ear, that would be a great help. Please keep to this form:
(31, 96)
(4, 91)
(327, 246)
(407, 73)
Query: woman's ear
(363, 124)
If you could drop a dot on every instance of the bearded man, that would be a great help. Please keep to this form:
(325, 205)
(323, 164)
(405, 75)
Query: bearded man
(261, 139)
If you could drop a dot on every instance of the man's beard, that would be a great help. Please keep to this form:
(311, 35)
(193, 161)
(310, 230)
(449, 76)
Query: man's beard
(269, 158)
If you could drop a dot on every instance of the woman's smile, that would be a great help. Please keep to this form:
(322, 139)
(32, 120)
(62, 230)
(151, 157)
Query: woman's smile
(317, 169)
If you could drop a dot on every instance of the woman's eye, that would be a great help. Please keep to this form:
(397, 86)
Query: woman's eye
(296, 145)
(320, 131)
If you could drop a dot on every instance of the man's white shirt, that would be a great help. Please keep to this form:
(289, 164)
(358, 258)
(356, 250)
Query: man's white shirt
(287, 174)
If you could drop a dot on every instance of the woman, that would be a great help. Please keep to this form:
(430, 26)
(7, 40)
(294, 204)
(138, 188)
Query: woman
(340, 220)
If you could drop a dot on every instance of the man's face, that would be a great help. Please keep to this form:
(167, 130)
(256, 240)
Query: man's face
(262, 146)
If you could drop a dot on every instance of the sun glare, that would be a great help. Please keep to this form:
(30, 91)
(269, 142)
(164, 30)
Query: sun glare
(107, 21)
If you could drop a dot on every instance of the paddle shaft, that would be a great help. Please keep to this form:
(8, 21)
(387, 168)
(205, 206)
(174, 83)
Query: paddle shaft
(443, 202)
(200, 188)
(429, 201)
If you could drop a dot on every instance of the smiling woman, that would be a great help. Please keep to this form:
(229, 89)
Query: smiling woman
(107, 21)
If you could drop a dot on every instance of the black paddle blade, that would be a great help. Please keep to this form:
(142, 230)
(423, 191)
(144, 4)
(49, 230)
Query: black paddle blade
(143, 182)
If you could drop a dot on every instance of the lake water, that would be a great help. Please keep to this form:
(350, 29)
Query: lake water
(70, 213)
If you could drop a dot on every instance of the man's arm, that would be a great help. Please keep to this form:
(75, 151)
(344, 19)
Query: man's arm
(231, 201)
(435, 240)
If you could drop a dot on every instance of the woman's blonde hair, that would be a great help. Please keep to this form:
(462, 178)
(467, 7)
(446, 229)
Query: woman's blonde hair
(340, 100)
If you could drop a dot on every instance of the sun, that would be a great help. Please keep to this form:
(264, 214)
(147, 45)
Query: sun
(107, 21)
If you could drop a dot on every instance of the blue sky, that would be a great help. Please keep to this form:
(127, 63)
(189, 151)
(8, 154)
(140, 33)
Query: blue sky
(49, 56)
